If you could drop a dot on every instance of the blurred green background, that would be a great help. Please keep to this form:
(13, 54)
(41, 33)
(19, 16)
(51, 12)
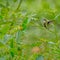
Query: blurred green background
(22, 32)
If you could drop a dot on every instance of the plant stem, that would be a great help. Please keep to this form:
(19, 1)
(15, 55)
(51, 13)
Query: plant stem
(19, 5)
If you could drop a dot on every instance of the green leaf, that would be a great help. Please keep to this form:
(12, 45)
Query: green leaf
(24, 24)
(19, 34)
(12, 52)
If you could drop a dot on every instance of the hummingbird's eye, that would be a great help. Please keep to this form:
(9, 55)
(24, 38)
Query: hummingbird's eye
(49, 22)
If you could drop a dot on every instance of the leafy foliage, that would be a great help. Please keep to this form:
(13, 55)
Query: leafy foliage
(22, 29)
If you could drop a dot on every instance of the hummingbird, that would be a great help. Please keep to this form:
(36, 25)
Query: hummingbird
(46, 23)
